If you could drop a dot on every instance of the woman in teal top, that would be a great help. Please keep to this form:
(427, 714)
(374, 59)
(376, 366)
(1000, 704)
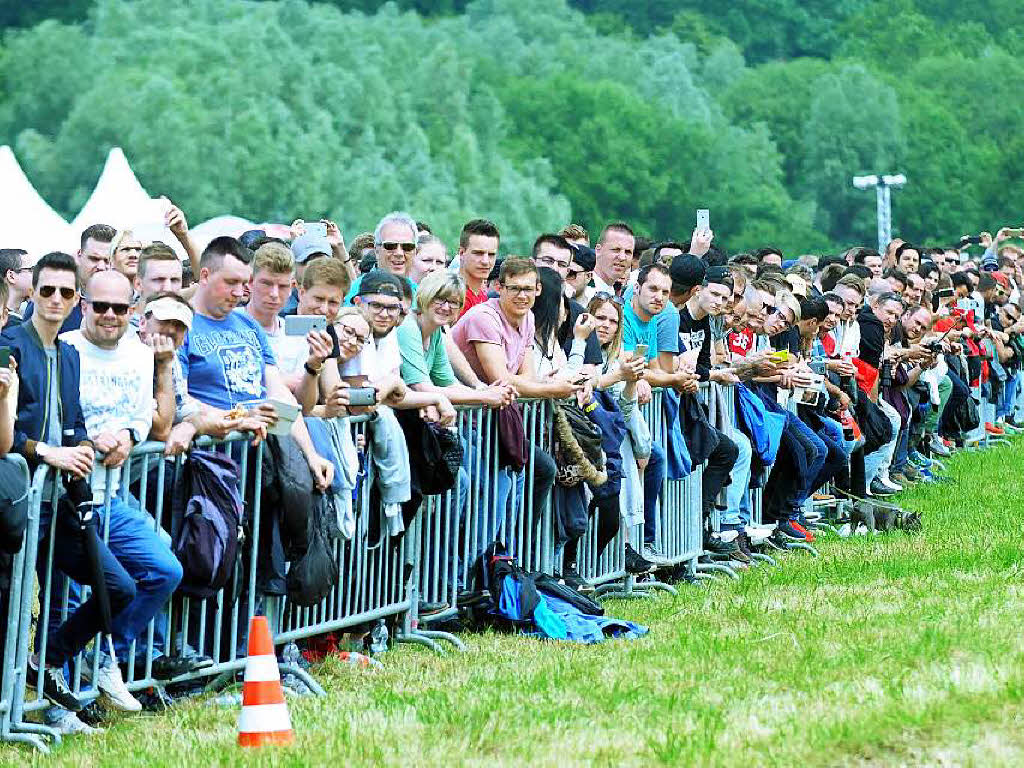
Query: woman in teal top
(421, 340)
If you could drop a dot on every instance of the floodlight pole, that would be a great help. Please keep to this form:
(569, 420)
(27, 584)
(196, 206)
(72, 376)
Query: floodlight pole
(883, 199)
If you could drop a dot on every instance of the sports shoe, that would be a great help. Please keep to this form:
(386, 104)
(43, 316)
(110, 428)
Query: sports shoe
(937, 447)
(740, 556)
(994, 429)
(879, 488)
(715, 546)
(910, 472)
(572, 577)
(55, 687)
(170, 667)
(919, 460)
(68, 724)
(111, 685)
(653, 554)
(743, 542)
(636, 563)
(155, 699)
(802, 528)
(787, 531)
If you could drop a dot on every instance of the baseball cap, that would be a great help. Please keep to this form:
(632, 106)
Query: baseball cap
(717, 275)
(380, 282)
(167, 308)
(687, 269)
(307, 246)
(585, 257)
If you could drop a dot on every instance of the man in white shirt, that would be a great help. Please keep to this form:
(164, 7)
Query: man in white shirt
(117, 402)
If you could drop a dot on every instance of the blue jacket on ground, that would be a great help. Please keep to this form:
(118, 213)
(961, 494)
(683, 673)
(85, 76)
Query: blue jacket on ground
(30, 427)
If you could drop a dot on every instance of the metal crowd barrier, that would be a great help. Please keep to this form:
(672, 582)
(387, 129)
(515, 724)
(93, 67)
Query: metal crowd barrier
(432, 562)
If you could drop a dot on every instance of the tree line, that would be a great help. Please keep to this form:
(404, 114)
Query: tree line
(532, 112)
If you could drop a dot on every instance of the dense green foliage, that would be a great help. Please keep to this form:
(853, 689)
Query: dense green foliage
(533, 112)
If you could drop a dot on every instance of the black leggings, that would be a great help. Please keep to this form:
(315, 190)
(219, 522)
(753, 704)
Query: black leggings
(607, 509)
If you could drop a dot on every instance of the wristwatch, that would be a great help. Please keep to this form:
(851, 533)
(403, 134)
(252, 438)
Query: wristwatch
(42, 449)
(311, 370)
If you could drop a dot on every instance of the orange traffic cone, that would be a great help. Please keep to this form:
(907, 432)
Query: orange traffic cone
(264, 718)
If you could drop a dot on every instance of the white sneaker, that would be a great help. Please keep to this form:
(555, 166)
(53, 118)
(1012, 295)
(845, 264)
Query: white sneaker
(111, 685)
(68, 724)
(651, 553)
(884, 480)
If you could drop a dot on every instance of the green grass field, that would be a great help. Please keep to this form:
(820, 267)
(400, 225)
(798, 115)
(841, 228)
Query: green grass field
(889, 650)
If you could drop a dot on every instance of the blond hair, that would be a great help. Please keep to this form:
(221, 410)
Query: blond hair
(276, 258)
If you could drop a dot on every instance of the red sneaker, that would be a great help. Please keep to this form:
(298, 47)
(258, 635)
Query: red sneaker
(807, 534)
(994, 429)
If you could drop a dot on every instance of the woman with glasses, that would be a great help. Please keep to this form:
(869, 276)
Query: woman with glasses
(620, 374)
(425, 363)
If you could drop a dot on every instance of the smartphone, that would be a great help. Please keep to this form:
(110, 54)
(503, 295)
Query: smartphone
(703, 220)
(5, 357)
(287, 413)
(362, 396)
(943, 293)
(974, 240)
(316, 229)
(641, 350)
(301, 325)
(779, 357)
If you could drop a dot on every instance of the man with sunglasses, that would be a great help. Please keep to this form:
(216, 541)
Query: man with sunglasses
(16, 270)
(50, 429)
(117, 404)
(395, 246)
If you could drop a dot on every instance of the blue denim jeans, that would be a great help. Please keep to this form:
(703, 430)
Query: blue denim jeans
(739, 481)
(654, 478)
(138, 553)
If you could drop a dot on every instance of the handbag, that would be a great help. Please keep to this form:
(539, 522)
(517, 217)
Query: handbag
(512, 448)
(578, 453)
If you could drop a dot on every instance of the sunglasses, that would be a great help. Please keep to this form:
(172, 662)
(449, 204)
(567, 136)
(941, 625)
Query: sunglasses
(101, 307)
(605, 296)
(393, 246)
(46, 291)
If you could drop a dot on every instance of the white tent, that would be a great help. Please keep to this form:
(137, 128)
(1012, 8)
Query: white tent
(26, 220)
(120, 201)
(234, 226)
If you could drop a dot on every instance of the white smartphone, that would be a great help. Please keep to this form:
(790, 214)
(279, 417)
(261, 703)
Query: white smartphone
(641, 350)
(301, 325)
(316, 228)
(703, 220)
(287, 413)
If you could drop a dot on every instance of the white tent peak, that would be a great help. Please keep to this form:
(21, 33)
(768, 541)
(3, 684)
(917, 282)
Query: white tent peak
(120, 201)
(26, 220)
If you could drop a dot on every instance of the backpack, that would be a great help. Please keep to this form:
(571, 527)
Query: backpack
(577, 451)
(315, 572)
(209, 517)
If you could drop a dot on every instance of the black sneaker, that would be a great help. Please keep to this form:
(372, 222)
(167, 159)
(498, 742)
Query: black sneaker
(572, 577)
(787, 531)
(715, 546)
(155, 699)
(55, 687)
(743, 542)
(635, 563)
(424, 608)
(169, 667)
(94, 714)
(878, 489)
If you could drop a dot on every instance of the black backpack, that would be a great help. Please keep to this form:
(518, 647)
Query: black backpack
(315, 572)
(208, 523)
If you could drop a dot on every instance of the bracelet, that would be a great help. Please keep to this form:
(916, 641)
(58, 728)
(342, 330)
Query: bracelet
(311, 370)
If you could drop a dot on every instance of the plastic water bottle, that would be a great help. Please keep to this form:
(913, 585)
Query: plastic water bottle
(359, 660)
(379, 638)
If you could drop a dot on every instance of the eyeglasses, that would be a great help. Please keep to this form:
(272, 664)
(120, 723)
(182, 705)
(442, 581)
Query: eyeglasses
(446, 302)
(605, 296)
(101, 307)
(46, 291)
(393, 246)
(547, 261)
(350, 333)
(377, 307)
(520, 290)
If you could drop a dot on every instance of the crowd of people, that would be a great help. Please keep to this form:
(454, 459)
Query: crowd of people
(853, 374)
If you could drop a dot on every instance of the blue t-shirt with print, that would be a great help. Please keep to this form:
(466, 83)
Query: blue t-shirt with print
(636, 331)
(225, 360)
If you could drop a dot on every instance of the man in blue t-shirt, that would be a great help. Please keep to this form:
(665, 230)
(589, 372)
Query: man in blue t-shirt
(227, 358)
